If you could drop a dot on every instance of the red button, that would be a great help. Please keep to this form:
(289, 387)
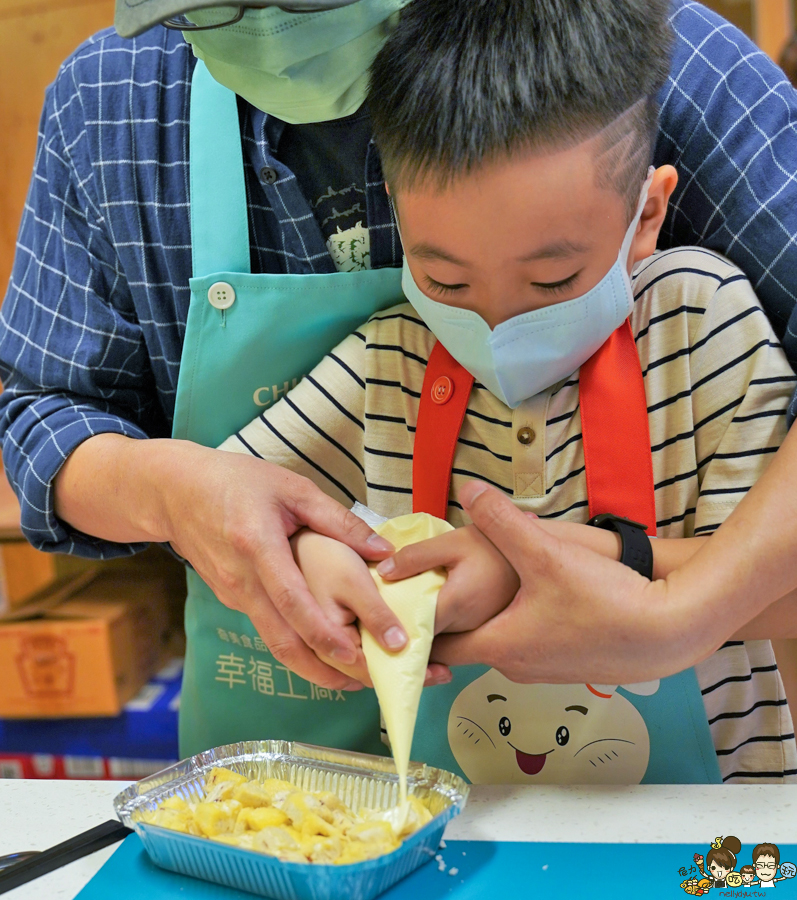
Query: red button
(442, 389)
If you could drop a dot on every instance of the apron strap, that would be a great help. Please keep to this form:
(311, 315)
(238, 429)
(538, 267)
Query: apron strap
(614, 423)
(444, 401)
(616, 433)
(219, 216)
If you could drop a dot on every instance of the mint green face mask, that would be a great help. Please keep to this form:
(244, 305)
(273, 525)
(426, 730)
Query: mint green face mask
(299, 67)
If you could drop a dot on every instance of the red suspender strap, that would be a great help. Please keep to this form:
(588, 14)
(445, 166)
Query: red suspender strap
(614, 423)
(444, 400)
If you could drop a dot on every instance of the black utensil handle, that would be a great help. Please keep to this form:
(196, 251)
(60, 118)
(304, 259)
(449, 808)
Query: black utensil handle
(11, 859)
(66, 852)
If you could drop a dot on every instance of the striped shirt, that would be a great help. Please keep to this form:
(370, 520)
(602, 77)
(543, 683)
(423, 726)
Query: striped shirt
(717, 384)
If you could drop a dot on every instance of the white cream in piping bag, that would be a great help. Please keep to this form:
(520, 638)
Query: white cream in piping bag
(398, 677)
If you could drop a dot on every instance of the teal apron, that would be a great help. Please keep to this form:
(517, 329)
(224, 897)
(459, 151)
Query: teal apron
(248, 339)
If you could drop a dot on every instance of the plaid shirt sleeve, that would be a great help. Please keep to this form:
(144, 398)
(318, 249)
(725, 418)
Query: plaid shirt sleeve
(72, 358)
(728, 123)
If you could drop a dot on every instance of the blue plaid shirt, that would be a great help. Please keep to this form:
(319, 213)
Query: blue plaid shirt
(95, 314)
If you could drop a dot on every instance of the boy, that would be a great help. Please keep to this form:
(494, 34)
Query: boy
(516, 137)
(748, 874)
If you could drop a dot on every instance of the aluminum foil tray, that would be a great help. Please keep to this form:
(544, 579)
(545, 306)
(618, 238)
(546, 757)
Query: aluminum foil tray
(357, 778)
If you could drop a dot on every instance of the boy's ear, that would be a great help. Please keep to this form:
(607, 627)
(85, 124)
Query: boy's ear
(665, 178)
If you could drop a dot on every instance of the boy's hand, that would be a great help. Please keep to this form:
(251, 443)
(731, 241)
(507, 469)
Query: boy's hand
(480, 581)
(335, 576)
(344, 588)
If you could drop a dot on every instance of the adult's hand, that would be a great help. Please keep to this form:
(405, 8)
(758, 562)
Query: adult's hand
(578, 616)
(230, 516)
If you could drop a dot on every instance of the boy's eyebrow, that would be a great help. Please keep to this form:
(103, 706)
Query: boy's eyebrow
(429, 251)
(554, 250)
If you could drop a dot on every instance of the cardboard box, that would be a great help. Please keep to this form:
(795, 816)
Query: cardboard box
(145, 730)
(84, 647)
(23, 573)
(139, 742)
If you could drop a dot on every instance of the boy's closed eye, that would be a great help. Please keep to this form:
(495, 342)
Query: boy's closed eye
(437, 287)
(562, 285)
(553, 287)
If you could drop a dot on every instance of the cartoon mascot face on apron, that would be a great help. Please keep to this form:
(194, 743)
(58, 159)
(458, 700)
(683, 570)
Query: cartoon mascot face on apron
(577, 734)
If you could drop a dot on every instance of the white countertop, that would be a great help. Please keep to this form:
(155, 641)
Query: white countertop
(34, 815)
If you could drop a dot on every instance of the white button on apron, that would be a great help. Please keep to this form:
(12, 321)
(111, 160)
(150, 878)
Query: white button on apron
(221, 295)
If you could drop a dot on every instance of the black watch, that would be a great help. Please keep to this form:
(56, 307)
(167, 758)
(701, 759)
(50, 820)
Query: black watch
(637, 552)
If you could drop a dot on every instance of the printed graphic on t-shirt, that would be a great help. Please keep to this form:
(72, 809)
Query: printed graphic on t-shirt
(342, 217)
(350, 249)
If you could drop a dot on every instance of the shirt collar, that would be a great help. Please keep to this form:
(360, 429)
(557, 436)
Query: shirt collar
(267, 130)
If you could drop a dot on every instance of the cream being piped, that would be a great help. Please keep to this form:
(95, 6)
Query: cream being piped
(398, 677)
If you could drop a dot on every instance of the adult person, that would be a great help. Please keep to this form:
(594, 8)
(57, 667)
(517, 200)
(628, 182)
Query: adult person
(95, 317)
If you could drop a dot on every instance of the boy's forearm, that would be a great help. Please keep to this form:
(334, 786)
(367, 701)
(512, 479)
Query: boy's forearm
(668, 553)
(778, 621)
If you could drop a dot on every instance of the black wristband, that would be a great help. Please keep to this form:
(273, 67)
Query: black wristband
(636, 552)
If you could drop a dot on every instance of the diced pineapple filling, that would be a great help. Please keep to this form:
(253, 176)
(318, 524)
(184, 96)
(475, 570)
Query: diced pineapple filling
(276, 818)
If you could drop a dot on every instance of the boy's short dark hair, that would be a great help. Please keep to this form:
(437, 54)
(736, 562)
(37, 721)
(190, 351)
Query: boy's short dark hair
(747, 870)
(460, 82)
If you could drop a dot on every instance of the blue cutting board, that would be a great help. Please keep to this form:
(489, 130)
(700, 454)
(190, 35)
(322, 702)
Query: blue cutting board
(486, 869)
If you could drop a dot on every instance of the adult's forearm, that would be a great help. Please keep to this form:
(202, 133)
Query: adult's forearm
(746, 570)
(230, 515)
(751, 561)
(112, 486)
(777, 622)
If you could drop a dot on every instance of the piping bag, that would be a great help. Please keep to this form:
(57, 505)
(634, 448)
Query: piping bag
(398, 677)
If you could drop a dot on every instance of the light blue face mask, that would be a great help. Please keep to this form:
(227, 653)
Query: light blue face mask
(530, 352)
